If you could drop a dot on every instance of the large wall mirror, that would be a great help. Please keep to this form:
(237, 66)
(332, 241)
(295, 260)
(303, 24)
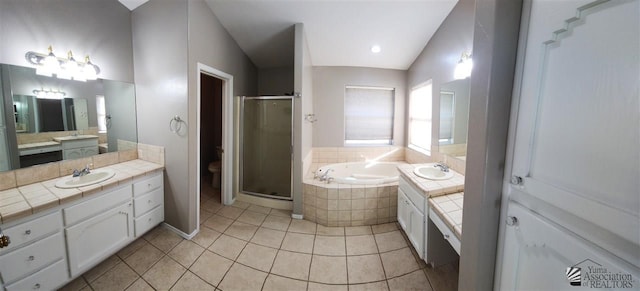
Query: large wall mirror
(46, 119)
(454, 118)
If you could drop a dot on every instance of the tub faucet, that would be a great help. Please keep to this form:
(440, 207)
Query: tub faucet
(442, 167)
(325, 176)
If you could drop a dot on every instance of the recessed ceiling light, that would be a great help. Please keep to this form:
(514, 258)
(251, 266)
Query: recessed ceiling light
(375, 49)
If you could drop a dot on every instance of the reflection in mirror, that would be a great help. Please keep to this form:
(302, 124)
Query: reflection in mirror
(49, 119)
(454, 118)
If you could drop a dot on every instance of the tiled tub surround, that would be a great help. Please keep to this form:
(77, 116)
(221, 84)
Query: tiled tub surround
(349, 205)
(321, 156)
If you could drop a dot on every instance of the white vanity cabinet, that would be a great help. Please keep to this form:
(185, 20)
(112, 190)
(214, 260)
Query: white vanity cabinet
(148, 203)
(36, 247)
(411, 215)
(98, 228)
(49, 249)
(79, 148)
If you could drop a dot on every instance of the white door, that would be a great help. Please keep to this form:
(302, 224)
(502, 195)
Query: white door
(575, 149)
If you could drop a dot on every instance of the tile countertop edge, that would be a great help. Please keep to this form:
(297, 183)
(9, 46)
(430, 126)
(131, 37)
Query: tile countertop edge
(50, 196)
(432, 188)
(437, 206)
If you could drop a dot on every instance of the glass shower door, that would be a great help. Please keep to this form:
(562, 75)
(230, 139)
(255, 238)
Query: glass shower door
(266, 146)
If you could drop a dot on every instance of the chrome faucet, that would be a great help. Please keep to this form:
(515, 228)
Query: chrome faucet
(83, 172)
(325, 176)
(442, 167)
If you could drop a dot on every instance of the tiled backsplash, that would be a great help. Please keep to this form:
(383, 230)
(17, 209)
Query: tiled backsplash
(39, 173)
(25, 138)
(326, 155)
(329, 155)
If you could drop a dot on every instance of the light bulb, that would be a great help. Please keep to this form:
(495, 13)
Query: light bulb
(89, 70)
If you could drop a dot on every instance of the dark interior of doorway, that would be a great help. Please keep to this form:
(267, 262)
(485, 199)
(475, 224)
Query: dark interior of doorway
(210, 136)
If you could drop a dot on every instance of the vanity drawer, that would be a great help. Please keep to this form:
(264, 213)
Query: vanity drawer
(446, 232)
(96, 205)
(147, 185)
(147, 202)
(18, 263)
(48, 278)
(81, 143)
(149, 220)
(29, 231)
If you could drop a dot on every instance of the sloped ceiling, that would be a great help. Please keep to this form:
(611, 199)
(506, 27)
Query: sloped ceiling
(339, 32)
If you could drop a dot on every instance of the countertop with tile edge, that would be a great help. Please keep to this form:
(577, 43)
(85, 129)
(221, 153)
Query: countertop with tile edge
(449, 208)
(31, 190)
(19, 202)
(37, 145)
(431, 188)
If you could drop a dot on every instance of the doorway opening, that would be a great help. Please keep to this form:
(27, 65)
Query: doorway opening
(211, 92)
(214, 140)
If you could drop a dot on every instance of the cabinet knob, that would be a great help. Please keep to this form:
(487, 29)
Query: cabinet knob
(36, 286)
(446, 236)
(149, 201)
(512, 221)
(31, 258)
(27, 232)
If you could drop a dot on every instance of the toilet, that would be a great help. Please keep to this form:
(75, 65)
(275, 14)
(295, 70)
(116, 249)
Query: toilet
(215, 168)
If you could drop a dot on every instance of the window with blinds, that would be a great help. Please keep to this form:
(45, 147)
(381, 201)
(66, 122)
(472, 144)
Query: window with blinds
(368, 115)
(420, 118)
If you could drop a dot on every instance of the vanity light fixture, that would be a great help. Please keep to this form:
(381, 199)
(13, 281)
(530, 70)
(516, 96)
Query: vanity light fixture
(376, 49)
(464, 66)
(49, 94)
(64, 68)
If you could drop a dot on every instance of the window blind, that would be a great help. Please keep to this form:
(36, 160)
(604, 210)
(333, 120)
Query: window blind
(369, 115)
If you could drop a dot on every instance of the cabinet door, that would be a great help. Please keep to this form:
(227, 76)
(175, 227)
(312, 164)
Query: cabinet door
(72, 154)
(89, 151)
(541, 255)
(403, 211)
(97, 238)
(415, 230)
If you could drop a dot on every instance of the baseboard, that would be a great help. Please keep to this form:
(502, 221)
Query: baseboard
(297, 216)
(184, 235)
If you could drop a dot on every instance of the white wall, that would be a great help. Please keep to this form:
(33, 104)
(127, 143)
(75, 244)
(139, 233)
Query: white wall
(213, 46)
(161, 91)
(303, 130)
(169, 87)
(440, 56)
(328, 101)
(100, 29)
(275, 81)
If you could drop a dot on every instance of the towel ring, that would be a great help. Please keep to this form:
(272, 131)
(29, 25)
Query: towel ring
(175, 124)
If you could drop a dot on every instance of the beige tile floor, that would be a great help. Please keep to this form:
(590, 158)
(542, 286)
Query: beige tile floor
(249, 247)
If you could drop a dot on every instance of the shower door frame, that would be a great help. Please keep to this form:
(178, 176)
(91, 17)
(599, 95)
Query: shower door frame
(241, 148)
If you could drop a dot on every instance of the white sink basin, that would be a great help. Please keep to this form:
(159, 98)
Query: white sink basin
(432, 173)
(96, 176)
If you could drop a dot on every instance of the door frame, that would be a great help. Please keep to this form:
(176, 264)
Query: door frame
(226, 173)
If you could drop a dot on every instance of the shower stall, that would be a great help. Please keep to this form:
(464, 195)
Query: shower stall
(266, 146)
